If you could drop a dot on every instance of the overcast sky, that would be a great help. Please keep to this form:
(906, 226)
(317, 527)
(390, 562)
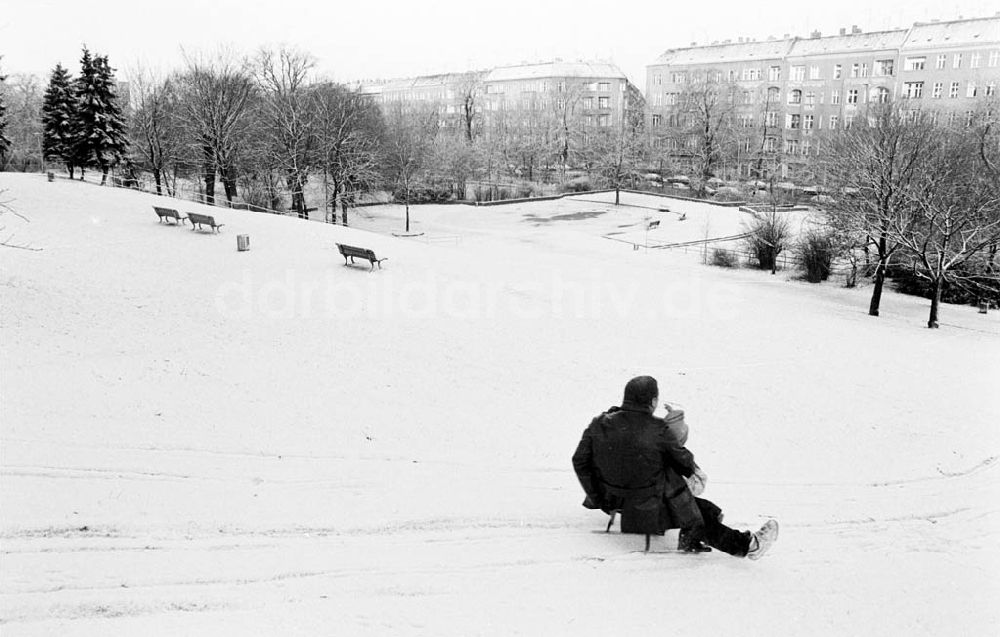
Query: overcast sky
(378, 39)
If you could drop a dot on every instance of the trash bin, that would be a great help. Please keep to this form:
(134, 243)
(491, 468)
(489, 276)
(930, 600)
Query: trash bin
(984, 306)
(51, 176)
(242, 242)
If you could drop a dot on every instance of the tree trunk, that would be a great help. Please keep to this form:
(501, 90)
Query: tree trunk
(932, 320)
(877, 288)
(104, 175)
(343, 212)
(617, 193)
(156, 178)
(407, 212)
(70, 168)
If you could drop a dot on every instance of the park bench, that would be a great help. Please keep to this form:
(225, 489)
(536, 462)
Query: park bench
(205, 220)
(169, 213)
(349, 252)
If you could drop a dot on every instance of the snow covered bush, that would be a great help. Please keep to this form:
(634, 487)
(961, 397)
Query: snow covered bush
(769, 236)
(814, 254)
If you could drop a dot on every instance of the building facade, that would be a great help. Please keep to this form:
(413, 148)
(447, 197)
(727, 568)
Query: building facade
(779, 95)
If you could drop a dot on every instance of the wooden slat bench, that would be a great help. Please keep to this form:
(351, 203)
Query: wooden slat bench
(349, 252)
(169, 213)
(203, 220)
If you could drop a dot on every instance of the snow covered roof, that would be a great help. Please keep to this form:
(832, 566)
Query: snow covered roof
(554, 69)
(721, 53)
(879, 40)
(960, 32)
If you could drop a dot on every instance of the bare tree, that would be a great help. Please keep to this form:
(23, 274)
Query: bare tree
(955, 215)
(23, 99)
(876, 165)
(348, 125)
(617, 152)
(405, 147)
(289, 118)
(708, 103)
(217, 94)
(153, 123)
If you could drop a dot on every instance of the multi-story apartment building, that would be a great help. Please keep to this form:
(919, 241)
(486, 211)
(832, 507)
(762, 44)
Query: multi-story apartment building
(595, 94)
(779, 95)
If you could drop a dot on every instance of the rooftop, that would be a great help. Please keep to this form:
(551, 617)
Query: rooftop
(554, 69)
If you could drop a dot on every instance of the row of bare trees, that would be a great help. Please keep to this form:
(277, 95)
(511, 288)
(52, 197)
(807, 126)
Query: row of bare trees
(911, 190)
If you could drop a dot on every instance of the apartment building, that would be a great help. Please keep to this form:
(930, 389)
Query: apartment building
(594, 93)
(784, 92)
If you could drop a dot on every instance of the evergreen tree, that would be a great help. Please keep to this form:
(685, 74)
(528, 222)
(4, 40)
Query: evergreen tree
(4, 142)
(100, 132)
(58, 119)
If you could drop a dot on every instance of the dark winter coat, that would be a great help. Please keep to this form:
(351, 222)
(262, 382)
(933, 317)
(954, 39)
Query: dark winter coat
(629, 460)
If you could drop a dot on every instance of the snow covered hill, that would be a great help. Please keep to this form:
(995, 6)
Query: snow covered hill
(200, 441)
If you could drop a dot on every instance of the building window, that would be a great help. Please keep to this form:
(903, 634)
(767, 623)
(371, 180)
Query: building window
(798, 73)
(956, 62)
(604, 87)
(864, 69)
(915, 64)
(813, 72)
(795, 97)
(933, 118)
(881, 95)
(883, 67)
(670, 99)
(657, 79)
(774, 74)
(835, 96)
(994, 58)
(810, 98)
(848, 120)
(589, 120)
(807, 122)
(913, 90)
(794, 121)
(806, 146)
(747, 97)
(773, 94)
(855, 70)
(991, 89)
(953, 90)
(833, 121)
(770, 144)
(791, 147)
(971, 89)
(942, 60)
(974, 61)
(604, 120)
(969, 117)
(852, 96)
(657, 99)
(678, 78)
(952, 117)
(603, 102)
(771, 118)
(656, 120)
(936, 91)
(837, 71)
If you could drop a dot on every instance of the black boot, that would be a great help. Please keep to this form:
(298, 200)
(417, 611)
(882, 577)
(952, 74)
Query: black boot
(688, 542)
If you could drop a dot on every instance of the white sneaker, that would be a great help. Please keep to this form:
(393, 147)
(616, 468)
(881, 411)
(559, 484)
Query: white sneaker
(763, 539)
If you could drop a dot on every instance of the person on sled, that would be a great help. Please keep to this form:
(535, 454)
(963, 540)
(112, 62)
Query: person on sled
(631, 461)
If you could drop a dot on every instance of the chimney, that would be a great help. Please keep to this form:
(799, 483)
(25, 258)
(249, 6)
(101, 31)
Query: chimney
(855, 29)
(843, 31)
(815, 34)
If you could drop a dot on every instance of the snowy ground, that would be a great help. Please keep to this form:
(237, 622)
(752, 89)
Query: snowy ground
(201, 441)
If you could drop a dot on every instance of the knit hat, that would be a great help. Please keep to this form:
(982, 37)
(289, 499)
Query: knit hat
(641, 390)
